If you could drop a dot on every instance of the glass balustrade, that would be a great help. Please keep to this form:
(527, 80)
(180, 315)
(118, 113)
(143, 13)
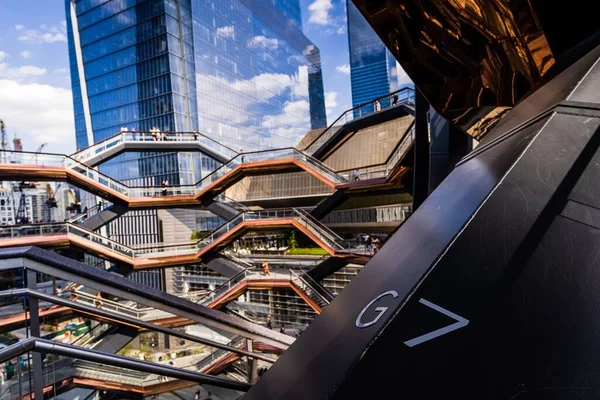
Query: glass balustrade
(383, 170)
(148, 137)
(18, 383)
(57, 160)
(166, 250)
(319, 294)
(403, 96)
(87, 213)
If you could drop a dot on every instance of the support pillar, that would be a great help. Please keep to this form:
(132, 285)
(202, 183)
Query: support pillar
(34, 329)
(252, 364)
(421, 152)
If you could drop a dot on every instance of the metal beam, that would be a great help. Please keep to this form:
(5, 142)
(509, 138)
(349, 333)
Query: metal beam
(73, 271)
(39, 345)
(421, 152)
(34, 331)
(35, 295)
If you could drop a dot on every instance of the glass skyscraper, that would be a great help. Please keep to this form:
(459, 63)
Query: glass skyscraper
(373, 71)
(258, 78)
(240, 71)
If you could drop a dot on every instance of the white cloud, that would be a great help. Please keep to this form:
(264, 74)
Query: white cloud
(38, 114)
(19, 27)
(330, 101)
(319, 12)
(3, 55)
(21, 73)
(34, 36)
(344, 69)
(26, 54)
(60, 71)
(288, 124)
(401, 77)
(226, 31)
(233, 110)
(46, 34)
(263, 41)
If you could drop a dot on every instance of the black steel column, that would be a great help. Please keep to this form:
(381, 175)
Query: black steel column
(421, 152)
(34, 329)
(252, 364)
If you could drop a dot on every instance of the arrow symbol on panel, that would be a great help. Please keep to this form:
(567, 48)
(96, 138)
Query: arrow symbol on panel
(460, 323)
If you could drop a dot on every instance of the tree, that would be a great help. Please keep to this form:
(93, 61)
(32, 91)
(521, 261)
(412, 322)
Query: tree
(292, 242)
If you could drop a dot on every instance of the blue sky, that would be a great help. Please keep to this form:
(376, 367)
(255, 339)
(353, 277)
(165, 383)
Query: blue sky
(35, 89)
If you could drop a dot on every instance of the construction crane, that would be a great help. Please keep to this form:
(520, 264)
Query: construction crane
(75, 206)
(39, 150)
(22, 217)
(3, 133)
(50, 199)
(3, 139)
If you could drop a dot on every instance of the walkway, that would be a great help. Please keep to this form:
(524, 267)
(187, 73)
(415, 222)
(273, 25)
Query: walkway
(161, 255)
(311, 292)
(20, 166)
(144, 141)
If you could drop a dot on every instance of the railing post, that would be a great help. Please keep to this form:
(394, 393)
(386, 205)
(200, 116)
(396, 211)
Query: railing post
(252, 363)
(421, 152)
(34, 330)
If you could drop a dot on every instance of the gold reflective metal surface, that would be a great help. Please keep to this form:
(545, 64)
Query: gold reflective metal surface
(472, 59)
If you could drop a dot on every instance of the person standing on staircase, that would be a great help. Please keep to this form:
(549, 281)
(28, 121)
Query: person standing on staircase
(265, 267)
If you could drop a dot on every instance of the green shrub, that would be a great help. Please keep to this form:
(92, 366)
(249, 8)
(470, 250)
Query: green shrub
(303, 251)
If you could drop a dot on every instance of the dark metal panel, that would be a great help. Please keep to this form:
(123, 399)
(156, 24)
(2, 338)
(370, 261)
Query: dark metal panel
(421, 152)
(223, 210)
(487, 252)
(326, 268)
(582, 213)
(324, 354)
(223, 265)
(116, 338)
(328, 204)
(104, 217)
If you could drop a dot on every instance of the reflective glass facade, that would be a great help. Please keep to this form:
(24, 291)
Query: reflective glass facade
(241, 71)
(291, 10)
(372, 66)
(258, 78)
(137, 59)
(132, 65)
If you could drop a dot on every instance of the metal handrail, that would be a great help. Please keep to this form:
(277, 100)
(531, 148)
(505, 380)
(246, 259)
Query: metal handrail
(87, 214)
(202, 365)
(179, 248)
(227, 285)
(383, 170)
(326, 294)
(323, 136)
(137, 136)
(294, 277)
(51, 347)
(148, 191)
(84, 340)
(322, 231)
(248, 157)
(317, 223)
